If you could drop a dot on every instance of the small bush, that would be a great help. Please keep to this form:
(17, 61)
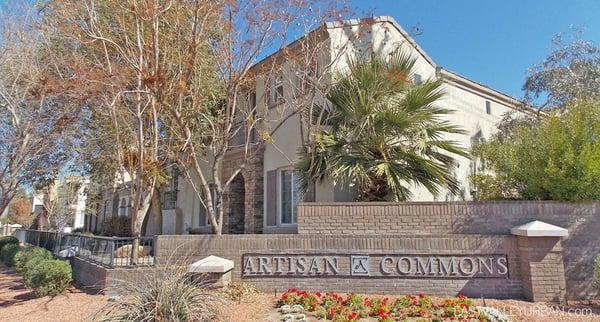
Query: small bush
(48, 276)
(28, 253)
(237, 290)
(7, 254)
(29, 268)
(116, 226)
(8, 240)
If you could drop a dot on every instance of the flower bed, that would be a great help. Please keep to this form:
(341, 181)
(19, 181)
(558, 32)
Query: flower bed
(353, 307)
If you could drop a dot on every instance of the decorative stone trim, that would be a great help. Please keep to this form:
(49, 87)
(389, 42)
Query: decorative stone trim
(538, 228)
(541, 260)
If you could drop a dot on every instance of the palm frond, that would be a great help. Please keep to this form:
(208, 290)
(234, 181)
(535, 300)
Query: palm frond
(384, 130)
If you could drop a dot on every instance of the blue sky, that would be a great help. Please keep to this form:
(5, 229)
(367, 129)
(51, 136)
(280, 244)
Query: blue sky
(492, 42)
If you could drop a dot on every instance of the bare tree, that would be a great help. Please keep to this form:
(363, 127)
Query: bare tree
(170, 82)
(35, 115)
(207, 123)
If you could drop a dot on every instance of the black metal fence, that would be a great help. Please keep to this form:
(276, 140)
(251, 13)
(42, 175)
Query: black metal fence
(106, 251)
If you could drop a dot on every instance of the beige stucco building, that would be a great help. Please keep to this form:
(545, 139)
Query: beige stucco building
(269, 183)
(264, 196)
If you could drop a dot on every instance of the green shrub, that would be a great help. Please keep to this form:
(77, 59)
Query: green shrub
(48, 276)
(7, 254)
(116, 226)
(28, 253)
(8, 240)
(29, 268)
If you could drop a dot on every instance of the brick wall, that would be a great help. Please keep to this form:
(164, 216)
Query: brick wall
(193, 247)
(93, 277)
(442, 218)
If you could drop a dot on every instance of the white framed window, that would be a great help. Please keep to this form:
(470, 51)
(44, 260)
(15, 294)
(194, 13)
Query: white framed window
(417, 79)
(251, 101)
(124, 207)
(105, 210)
(289, 196)
(488, 107)
(276, 89)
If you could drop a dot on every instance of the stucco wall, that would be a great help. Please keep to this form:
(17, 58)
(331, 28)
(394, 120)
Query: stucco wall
(382, 37)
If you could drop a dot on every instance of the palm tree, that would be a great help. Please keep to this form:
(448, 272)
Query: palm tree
(383, 133)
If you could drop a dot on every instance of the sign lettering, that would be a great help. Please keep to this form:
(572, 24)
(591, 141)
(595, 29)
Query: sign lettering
(375, 265)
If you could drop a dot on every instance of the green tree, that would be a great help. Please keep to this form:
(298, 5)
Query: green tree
(554, 158)
(383, 133)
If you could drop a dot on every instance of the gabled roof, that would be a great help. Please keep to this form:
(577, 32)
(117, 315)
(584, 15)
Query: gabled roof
(411, 41)
(450, 76)
(446, 74)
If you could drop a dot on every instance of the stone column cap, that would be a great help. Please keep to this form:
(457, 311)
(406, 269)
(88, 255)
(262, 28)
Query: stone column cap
(211, 264)
(538, 228)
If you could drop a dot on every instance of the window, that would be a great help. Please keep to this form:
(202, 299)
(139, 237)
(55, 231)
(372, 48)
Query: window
(488, 107)
(105, 210)
(170, 193)
(123, 207)
(290, 196)
(417, 79)
(251, 102)
(276, 90)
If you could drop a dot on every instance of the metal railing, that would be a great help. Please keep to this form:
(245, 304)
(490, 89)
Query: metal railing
(8, 230)
(106, 251)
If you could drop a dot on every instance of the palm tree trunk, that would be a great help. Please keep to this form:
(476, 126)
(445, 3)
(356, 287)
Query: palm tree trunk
(376, 190)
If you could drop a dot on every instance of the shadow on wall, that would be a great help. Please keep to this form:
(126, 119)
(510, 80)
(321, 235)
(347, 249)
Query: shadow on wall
(581, 219)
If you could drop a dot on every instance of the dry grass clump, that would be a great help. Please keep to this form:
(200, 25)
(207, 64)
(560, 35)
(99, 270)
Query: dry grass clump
(165, 293)
(235, 291)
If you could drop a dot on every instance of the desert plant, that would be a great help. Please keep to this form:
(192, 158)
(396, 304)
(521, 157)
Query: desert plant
(165, 294)
(28, 253)
(48, 277)
(8, 240)
(237, 290)
(116, 226)
(7, 254)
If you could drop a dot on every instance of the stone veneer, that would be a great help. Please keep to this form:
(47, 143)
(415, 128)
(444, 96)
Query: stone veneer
(252, 175)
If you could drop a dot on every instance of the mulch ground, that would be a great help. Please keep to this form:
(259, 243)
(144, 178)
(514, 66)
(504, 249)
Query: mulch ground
(17, 303)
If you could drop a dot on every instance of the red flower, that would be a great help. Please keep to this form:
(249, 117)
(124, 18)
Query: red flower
(352, 316)
(382, 312)
(460, 296)
(421, 295)
(331, 312)
(318, 294)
